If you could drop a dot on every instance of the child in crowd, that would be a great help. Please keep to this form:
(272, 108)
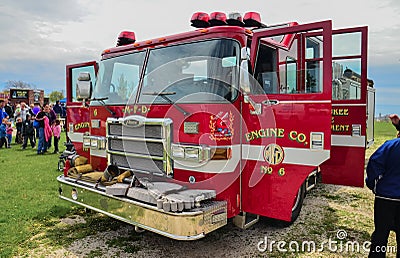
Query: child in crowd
(56, 128)
(9, 131)
(3, 133)
(28, 132)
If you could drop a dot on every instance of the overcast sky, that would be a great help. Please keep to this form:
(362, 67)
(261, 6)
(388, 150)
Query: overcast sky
(38, 38)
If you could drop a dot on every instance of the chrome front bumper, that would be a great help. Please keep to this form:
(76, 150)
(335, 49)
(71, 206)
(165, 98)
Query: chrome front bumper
(187, 225)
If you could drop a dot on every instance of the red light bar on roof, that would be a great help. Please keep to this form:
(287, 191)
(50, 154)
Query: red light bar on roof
(125, 38)
(235, 19)
(200, 20)
(253, 19)
(217, 18)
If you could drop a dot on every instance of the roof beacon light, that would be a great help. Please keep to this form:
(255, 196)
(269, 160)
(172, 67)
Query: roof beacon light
(200, 20)
(253, 19)
(125, 38)
(235, 19)
(217, 19)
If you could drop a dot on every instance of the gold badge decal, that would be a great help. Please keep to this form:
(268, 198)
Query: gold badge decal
(273, 154)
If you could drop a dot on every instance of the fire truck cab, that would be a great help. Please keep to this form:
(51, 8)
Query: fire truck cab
(235, 119)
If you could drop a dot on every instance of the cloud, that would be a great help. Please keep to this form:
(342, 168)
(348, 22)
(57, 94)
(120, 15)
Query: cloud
(54, 10)
(31, 29)
(50, 34)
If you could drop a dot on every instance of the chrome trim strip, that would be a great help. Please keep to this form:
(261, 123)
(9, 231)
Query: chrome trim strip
(297, 156)
(135, 155)
(348, 140)
(349, 105)
(98, 153)
(129, 138)
(306, 157)
(304, 101)
(75, 137)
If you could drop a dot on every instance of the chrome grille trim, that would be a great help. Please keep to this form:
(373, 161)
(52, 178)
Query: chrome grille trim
(140, 139)
(135, 155)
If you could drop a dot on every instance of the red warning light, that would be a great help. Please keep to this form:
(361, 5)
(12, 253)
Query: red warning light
(200, 20)
(125, 38)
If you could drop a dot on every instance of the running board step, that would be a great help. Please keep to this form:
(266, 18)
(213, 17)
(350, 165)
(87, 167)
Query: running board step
(245, 220)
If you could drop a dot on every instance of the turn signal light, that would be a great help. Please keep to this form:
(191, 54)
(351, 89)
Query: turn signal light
(221, 153)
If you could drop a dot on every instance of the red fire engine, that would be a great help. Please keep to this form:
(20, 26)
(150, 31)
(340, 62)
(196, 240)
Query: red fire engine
(235, 119)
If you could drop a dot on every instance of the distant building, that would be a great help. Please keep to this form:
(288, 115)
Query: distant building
(4, 95)
(28, 96)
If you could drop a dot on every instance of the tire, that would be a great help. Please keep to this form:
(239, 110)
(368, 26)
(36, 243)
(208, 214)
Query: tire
(297, 205)
(61, 165)
(298, 202)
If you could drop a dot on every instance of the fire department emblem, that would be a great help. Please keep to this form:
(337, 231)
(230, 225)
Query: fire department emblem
(221, 126)
(273, 154)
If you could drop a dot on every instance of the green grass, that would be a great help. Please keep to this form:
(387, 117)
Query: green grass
(383, 132)
(28, 198)
(31, 210)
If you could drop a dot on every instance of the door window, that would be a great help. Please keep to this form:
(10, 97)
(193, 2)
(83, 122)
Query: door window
(346, 67)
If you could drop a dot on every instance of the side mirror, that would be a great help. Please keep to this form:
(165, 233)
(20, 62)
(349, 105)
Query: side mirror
(245, 53)
(83, 86)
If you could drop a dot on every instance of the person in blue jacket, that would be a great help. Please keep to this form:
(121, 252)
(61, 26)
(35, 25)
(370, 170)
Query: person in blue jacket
(383, 178)
(3, 133)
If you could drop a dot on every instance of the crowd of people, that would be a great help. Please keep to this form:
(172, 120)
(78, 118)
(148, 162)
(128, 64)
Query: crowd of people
(38, 125)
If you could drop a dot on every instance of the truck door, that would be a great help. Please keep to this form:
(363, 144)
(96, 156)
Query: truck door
(287, 122)
(78, 119)
(349, 108)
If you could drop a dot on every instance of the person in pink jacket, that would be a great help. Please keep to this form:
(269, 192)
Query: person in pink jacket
(9, 131)
(56, 128)
(48, 133)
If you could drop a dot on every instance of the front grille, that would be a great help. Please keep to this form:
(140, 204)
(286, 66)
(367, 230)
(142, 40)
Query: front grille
(140, 147)
(138, 163)
(148, 131)
(140, 144)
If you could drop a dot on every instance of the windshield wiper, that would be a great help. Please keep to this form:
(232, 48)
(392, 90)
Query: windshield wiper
(164, 95)
(101, 101)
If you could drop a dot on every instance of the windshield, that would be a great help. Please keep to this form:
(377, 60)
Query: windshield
(118, 78)
(199, 72)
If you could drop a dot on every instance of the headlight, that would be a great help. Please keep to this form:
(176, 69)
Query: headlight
(86, 141)
(178, 152)
(94, 142)
(190, 153)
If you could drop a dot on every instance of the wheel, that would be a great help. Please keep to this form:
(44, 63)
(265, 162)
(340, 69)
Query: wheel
(61, 165)
(298, 202)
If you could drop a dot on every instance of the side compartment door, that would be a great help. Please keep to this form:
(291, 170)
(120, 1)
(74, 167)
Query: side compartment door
(349, 108)
(286, 131)
(77, 113)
